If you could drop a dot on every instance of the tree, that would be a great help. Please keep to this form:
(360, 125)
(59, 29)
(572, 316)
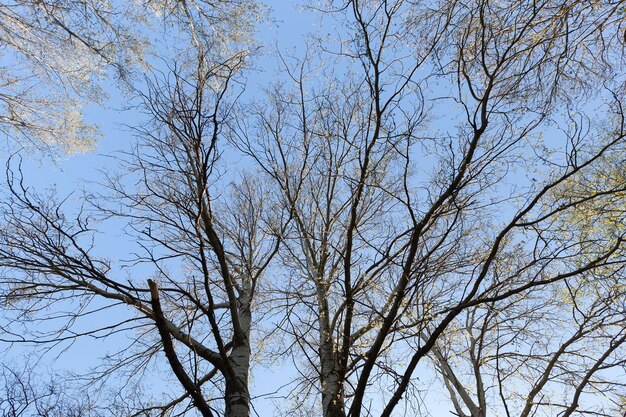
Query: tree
(343, 158)
(432, 197)
(57, 55)
(200, 317)
(21, 397)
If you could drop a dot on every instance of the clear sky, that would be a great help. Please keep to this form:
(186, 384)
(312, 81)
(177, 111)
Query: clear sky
(74, 173)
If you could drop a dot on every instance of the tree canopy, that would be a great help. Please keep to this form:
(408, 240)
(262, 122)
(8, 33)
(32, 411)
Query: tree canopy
(421, 212)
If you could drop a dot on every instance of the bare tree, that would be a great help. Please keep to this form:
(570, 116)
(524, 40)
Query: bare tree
(22, 396)
(207, 254)
(387, 260)
(435, 190)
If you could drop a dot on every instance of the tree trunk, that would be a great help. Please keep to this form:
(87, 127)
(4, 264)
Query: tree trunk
(332, 396)
(237, 395)
(237, 398)
(332, 385)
